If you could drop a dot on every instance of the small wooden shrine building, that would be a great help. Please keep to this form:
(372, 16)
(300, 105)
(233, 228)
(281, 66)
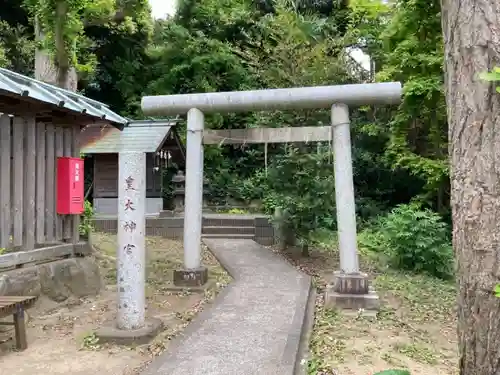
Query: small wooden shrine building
(102, 143)
(39, 123)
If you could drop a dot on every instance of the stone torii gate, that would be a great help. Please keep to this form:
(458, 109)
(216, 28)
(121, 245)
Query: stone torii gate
(350, 288)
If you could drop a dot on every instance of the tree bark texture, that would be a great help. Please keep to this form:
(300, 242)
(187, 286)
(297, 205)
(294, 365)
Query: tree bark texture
(471, 31)
(47, 71)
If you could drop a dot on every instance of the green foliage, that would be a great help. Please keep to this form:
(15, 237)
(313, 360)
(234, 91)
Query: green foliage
(237, 211)
(393, 372)
(86, 225)
(366, 20)
(90, 341)
(404, 40)
(3, 58)
(493, 76)
(167, 188)
(296, 50)
(64, 25)
(379, 186)
(17, 48)
(497, 291)
(187, 63)
(302, 184)
(412, 239)
(121, 50)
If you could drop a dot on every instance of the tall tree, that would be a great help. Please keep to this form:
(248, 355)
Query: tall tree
(60, 27)
(471, 35)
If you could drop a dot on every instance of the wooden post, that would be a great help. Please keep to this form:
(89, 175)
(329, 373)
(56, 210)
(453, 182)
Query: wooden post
(67, 144)
(29, 190)
(59, 151)
(17, 182)
(5, 181)
(40, 184)
(50, 170)
(75, 147)
(20, 329)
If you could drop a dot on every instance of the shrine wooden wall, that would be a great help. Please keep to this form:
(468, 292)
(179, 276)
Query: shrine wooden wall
(28, 153)
(106, 176)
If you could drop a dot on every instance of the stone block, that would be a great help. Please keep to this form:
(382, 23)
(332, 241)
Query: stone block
(21, 282)
(350, 283)
(351, 291)
(112, 334)
(191, 278)
(77, 276)
(83, 248)
(368, 301)
(265, 241)
(264, 231)
(193, 289)
(105, 225)
(166, 213)
(262, 221)
(57, 280)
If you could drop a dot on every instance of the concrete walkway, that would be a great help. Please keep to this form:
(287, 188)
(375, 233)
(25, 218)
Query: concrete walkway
(257, 326)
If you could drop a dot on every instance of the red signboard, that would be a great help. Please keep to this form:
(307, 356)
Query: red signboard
(70, 186)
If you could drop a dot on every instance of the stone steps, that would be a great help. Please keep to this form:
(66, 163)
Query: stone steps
(228, 230)
(228, 221)
(229, 236)
(256, 227)
(228, 226)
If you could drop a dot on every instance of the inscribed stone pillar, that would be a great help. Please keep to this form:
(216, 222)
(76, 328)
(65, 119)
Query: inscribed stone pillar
(131, 252)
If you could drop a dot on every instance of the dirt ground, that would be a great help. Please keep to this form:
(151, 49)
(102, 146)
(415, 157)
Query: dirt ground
(60, 336)
(414, 330)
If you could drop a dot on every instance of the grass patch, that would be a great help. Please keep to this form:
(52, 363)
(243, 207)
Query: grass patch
(163, 257)
(417, 352)
(415, 328)
(89, 341)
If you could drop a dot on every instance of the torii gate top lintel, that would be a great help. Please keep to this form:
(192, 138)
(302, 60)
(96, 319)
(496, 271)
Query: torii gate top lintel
(274, 99)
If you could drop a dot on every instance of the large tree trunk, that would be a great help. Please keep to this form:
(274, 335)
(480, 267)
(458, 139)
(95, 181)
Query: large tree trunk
(46, 70)
(472, 45)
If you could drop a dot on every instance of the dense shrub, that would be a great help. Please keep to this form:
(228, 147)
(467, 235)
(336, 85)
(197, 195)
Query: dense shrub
(303, 186)
(86, 225)
(414, 239)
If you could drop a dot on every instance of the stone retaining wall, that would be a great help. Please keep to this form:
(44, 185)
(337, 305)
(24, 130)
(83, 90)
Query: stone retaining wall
(173, 227)
(58, 280)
